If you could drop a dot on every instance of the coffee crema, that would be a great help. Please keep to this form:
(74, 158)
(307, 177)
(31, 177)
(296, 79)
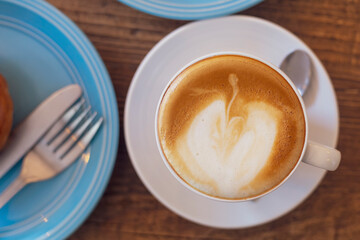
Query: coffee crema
(231, 127)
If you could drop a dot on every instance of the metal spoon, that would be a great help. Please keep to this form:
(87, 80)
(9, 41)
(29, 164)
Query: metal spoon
(297, 65)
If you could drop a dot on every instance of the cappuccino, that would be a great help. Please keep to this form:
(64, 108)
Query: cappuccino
(231, 127)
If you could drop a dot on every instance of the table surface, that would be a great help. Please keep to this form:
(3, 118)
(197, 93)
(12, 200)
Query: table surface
(127, 210)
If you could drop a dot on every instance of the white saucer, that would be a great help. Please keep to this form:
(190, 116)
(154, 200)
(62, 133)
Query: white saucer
(236, 33)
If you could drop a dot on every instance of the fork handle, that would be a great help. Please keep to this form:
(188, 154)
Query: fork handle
(11, 190)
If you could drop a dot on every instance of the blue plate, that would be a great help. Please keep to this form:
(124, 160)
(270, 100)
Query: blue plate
(190, 9)
(41, 51)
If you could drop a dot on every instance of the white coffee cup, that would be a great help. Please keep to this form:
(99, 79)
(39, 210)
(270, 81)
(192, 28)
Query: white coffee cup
(313, 153)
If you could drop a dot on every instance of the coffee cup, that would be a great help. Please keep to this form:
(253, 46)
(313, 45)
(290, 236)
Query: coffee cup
(232, 127)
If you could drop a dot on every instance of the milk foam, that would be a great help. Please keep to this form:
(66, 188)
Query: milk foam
(228, 153)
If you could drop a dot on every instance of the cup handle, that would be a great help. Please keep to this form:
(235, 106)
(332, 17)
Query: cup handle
(322, 156)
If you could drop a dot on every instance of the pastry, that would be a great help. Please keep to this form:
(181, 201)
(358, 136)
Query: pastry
(6, 112)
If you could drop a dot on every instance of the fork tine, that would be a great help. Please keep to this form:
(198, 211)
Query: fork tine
(68, 130)
(81, 145)
(60, 124)
(74, 137)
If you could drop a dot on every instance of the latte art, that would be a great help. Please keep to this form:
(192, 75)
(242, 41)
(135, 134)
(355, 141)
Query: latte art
(226, 137)
(227, 149)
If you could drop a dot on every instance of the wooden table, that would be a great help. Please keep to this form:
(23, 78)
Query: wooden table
(123, 36)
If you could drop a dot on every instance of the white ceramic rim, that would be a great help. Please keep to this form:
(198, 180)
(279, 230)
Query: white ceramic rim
(176, 175)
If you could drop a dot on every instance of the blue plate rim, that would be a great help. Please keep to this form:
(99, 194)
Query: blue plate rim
(75, 35)
(192, 11)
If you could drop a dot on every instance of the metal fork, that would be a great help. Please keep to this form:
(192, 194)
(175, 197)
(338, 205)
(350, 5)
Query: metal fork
(66, 140)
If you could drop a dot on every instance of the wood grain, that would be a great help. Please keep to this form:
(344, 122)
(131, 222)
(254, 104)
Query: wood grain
(127, 210)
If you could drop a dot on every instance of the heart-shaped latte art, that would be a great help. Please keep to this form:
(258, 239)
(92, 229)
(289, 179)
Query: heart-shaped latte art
(228, 153)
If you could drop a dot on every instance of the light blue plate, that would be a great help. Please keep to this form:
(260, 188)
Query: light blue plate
(190, 9)
(41, 51)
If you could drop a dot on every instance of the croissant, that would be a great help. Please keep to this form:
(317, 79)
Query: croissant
(6, 112)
